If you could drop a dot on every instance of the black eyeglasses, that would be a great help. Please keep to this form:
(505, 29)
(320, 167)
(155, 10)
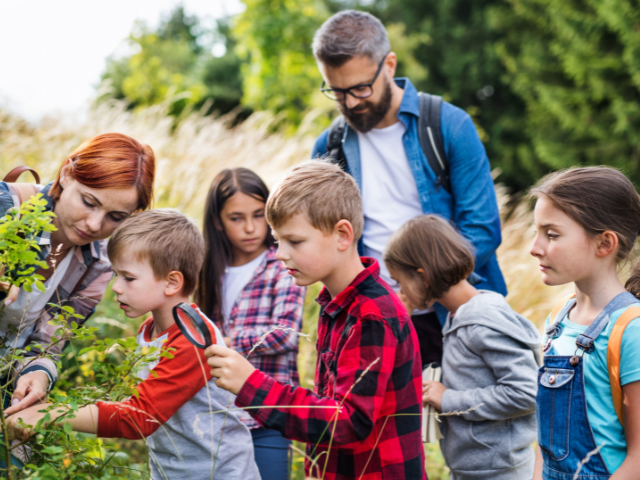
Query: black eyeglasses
(364, 90)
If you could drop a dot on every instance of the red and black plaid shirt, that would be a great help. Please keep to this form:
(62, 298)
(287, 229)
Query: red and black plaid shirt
(357, 425)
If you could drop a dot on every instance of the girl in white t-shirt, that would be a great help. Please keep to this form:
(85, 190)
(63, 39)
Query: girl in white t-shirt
(247, 292)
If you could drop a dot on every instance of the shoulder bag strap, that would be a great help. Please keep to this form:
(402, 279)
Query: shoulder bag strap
(613, 357)
(13, 175)
(430, 137)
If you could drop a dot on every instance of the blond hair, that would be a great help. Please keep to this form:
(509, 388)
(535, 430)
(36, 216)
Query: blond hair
(431, 243)
(322, 192)
(165, 238)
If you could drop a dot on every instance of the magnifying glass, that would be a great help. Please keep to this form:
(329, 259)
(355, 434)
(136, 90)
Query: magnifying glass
(191, 323)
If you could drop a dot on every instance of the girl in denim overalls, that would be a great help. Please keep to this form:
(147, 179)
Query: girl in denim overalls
(587, 221)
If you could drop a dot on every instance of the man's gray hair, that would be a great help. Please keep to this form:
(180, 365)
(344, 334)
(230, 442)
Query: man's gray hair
(350, 34)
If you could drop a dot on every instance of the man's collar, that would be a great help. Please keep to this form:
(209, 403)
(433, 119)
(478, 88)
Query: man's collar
(409, 102)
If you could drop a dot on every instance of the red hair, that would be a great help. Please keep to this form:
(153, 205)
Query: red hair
(112, 160)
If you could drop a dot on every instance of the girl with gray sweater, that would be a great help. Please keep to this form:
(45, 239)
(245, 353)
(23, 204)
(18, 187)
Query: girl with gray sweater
(490, 358)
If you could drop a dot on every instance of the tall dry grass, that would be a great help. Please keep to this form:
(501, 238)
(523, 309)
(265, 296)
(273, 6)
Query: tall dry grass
(191, 154)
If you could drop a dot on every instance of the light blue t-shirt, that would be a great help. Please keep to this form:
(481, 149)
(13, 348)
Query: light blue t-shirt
(606, 427)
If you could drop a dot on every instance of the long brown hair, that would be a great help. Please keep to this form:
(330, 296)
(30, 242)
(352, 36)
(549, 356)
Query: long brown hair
(218, 251)
(599, 199)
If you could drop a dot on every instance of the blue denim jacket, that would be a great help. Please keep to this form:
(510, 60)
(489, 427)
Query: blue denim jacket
(472, 205)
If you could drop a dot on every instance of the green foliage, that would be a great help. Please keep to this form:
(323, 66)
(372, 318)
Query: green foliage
(274, 40)
(110, 365)
(19, 246)
(175, 64)
(576, 65)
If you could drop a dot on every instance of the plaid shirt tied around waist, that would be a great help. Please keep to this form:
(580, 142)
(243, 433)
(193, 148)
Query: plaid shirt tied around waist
(363, 418)
(270, 299)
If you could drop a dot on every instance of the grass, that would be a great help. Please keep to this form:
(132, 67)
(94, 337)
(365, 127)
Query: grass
(189, 156)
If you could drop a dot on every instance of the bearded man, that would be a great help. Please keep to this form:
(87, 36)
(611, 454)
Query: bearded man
(382, 147)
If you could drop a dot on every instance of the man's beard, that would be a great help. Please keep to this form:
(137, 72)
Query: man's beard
(363, 122)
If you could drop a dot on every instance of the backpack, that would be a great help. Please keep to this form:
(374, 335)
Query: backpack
(429, 136)
(613, 351)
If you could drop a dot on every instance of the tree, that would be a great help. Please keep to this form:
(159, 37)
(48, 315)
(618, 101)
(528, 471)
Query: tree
(576, 65)
(274, 39)
(453, 41)
(176, 61)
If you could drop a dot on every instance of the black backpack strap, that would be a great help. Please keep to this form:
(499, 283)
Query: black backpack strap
(334, 143)
(430, 137)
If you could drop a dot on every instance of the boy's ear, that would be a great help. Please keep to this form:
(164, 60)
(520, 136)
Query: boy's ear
(425, 279)
(175, 281)
(344, 231)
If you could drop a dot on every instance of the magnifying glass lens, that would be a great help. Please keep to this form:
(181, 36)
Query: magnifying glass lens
(191, 327)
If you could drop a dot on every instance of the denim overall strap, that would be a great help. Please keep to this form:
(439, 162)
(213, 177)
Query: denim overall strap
(555, 328)
(585, 341)
(564, 432)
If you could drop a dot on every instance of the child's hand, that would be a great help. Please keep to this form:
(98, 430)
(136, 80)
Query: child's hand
(229, 367)
(432, 393)
(29, 416)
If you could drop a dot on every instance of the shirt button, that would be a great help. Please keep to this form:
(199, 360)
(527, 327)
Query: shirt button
(552, 379)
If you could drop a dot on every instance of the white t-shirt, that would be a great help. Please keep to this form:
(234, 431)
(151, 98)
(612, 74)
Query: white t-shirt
(23, 313)
(389, 192)
(234, 280)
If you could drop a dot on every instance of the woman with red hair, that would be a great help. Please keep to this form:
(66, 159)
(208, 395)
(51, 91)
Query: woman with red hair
(102, 182)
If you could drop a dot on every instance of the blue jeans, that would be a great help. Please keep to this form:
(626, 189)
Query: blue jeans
(271, 450)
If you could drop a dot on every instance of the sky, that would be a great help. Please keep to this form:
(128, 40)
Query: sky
(52, 53)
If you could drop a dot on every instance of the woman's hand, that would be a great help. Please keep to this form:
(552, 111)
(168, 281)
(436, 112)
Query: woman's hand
(12, 294)
(30, 388)
(432, 393)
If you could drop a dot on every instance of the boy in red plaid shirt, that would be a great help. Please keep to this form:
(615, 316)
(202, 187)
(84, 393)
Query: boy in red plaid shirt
(362, 420)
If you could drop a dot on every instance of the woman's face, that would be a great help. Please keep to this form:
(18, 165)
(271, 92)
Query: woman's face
(84, 214)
